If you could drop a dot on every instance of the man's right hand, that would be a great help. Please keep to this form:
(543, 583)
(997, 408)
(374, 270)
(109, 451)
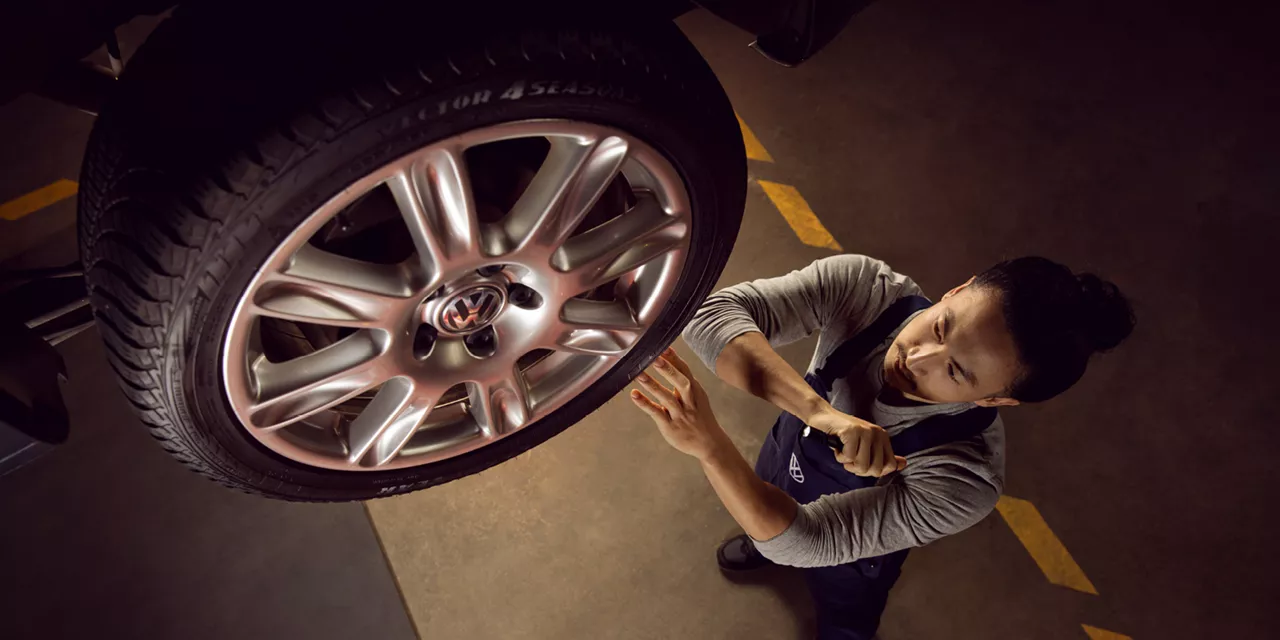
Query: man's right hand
(750, 364)
(867, 451)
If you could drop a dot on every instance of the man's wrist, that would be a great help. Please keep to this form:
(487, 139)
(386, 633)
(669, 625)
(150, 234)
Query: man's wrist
(812, 407)
(720, 451)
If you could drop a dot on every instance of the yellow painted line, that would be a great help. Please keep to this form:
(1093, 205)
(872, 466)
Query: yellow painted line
(1102, 634)
(755, 150)
(38, 199)
(798, 214)
(1045, 548)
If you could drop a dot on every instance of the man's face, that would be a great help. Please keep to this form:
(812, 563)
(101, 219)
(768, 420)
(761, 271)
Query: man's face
(958, 350)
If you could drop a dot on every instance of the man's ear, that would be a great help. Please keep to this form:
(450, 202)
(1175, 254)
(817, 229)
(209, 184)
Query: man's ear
(997, 402)
(959, 288)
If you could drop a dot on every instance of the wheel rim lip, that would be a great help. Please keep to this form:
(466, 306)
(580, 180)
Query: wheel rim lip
(665, 181)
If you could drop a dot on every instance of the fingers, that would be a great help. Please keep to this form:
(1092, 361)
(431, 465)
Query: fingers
(869, 452)
(852, 444)
(675, 359)
(857, 450)
(880, 452)
(850, 450)
(678, 379)
(866, 445)
(659, 392)
(900, 463)
(650, 407)
(886, 462)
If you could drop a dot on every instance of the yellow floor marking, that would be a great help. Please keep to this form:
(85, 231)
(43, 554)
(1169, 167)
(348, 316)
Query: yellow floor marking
(798, 214)
(1102, 634)
(38, 199)
(1044, 547)
(755, 150)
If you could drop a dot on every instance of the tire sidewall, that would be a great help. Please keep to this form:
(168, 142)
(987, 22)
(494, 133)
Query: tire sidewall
(647, 106)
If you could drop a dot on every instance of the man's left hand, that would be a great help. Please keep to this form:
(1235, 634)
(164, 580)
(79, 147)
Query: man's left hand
(682, 412)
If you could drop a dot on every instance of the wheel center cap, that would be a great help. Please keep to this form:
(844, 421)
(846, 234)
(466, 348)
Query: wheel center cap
(471, 309)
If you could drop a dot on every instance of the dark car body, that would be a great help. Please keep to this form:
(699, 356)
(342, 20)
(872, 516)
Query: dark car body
(46, 39)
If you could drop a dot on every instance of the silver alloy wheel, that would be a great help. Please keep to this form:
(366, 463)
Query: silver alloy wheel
(489, 294)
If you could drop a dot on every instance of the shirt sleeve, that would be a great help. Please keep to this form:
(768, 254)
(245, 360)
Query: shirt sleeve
(845, 289)
(941, 498)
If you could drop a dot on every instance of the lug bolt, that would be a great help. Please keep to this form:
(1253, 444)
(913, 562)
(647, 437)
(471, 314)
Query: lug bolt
(423, 340)
(482, 343)
(524, 297)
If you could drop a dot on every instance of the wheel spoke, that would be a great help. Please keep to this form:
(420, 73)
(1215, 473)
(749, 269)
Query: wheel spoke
(296, 389)
(562, 375)
(500, 407)
(597, 342)
(566, 186)
(596, 328)
(324, 288)
(387, 423)
(622, 244)
(433, 193)
(594, 314)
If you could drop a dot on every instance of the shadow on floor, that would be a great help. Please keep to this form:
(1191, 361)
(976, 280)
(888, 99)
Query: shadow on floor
(106, 534)
(787, 584)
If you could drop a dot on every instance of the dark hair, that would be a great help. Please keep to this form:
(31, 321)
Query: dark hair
(1058, 319)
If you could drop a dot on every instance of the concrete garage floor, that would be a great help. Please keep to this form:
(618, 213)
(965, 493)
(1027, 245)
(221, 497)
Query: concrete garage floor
(940, 137)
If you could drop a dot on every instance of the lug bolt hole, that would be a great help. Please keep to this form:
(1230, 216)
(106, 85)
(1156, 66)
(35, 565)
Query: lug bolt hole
(490, 270)
(524, 297)
(483, 343)
(423, 340)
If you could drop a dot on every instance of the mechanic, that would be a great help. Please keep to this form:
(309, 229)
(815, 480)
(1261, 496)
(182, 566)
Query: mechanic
(908, 388)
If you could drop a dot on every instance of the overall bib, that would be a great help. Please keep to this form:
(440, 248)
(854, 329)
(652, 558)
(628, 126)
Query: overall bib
(849, 598)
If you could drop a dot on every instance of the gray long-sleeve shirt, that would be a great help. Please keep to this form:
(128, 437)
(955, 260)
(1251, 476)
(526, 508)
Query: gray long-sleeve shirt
(942, 490)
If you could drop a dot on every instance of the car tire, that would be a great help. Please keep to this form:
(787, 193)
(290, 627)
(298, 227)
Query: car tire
(203, 164)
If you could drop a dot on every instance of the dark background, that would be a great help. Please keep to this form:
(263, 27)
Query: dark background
(1137, 139)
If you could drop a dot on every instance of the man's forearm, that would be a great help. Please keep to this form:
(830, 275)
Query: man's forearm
(749, 363)
(761, 509)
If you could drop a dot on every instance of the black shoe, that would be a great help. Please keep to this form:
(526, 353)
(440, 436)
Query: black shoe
(739, 553)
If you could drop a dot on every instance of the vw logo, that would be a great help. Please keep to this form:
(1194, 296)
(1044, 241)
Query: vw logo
(471, 309)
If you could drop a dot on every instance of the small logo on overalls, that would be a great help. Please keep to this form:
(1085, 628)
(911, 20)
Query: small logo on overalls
(794, 468)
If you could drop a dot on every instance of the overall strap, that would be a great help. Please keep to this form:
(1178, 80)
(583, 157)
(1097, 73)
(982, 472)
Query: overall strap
(841, 361)
(939, 430)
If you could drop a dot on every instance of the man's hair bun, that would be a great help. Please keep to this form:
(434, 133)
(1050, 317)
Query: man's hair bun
(1058, 320)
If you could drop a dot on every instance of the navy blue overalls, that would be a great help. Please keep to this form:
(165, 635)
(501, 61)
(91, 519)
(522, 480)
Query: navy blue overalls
(849, 598)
